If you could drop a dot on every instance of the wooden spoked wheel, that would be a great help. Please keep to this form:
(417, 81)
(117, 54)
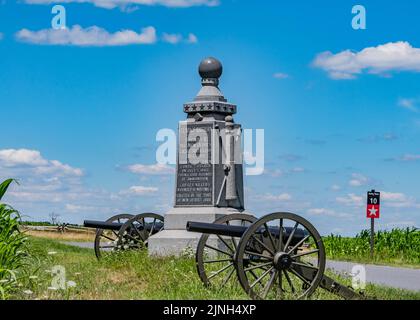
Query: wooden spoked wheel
(106, 241)
(135, 232)
(285, 264)
(215, 255)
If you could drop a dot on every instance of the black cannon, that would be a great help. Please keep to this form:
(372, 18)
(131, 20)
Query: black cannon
(279, 256)
(124, 231)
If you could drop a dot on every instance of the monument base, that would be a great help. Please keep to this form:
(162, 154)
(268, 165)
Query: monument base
(175, 239)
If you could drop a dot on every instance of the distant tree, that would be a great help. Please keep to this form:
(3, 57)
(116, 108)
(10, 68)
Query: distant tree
(54, 217)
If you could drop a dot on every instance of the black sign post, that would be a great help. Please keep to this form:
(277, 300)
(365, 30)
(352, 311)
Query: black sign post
(373, 212)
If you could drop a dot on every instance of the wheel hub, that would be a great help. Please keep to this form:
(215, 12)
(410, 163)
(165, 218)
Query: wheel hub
(282, 261)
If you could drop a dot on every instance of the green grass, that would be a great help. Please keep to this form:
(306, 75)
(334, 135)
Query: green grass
(134, 275)
(398, 246)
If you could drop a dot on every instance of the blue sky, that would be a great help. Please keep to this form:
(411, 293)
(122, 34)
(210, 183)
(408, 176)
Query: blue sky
(81, 108)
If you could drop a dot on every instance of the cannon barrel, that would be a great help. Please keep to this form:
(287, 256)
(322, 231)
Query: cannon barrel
(102, 225)
(238, 231)
(214, 228)
(117, 226)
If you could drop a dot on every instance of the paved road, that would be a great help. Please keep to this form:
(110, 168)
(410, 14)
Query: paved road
(403, 278)
(88, 245)
(396, 277)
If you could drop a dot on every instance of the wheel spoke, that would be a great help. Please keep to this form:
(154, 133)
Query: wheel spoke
(152, 228)
(214, 261)
(291, 236)
(286, 275)
(221, 270)
(218, 250)
(261, 277)
(304, 265)
(235, 246)
(258, 254)
(280, 277)
(270, 236)
(269, 284)
(259, 266)
(106, 247)
(225, 243)
(225, 281)
(304, 253)
(300, 276)
(281, 237)
(298, 244)
(109, 238)
(138, 232)
(263, 244)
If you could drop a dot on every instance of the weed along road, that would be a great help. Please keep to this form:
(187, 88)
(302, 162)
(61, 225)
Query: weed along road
(396, 277)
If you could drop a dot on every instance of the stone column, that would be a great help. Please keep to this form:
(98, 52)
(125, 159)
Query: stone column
(209, 175)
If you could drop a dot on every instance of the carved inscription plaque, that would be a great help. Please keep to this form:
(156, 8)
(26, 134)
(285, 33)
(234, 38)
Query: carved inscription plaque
(194, 183)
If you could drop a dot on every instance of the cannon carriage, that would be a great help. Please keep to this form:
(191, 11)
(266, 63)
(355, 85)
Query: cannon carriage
(124, 232)
(279, 256)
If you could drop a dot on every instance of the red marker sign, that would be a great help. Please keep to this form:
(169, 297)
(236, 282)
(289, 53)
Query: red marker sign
(373, 205)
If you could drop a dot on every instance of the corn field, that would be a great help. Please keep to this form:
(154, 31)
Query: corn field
(397, 245)
(12, 244)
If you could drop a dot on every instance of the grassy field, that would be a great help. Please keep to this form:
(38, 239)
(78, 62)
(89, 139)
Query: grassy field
(83, 235)
(132, 275)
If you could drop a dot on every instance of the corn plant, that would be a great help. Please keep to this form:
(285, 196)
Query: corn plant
(399, 245)
(12, 243)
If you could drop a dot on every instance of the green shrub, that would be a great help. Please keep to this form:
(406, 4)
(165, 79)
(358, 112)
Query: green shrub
(12, 244)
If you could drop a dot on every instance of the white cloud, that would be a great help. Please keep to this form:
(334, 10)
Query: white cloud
(192, 38)
(79, 208)
(19, 157)
(49, 185)
(383, 59)
(327, 212)
(358, 180)
(280, 75)
(154, 169)
(409, 157)
(33, 160)
(275, 173)
(110, 4)
(393, 196)
(172, 38)
(335, 187)
(398, 200)
(351, 200)
(91, 36)
(277, 197)
(139, 190)
(409, 104)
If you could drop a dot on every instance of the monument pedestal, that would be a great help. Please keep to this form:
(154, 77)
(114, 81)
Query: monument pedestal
(209, 175)
(175, 239)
